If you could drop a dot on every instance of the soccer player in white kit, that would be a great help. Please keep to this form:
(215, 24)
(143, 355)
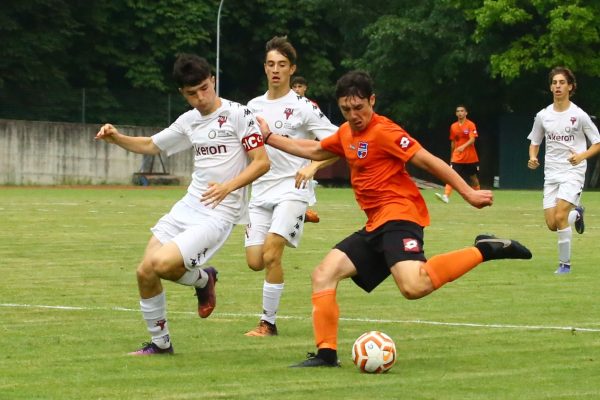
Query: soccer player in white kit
(565, 128)
(228, 155)
(281, 196)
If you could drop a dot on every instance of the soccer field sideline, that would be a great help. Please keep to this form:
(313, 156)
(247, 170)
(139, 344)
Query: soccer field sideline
(298, 318)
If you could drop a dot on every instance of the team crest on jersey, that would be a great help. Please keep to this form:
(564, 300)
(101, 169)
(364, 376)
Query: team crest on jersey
(411, 246)
(573, 120)
(288, 112)
(362, 150)
(222, 119)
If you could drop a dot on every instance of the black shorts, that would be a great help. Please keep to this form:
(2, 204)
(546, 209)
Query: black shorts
(466, 170)
(373, 253)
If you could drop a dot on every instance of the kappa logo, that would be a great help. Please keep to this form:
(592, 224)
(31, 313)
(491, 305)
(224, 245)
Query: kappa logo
(363, 148)
(161, 323)
(196, 261)
(573, 120)
(411, 246)
(288, 112)
(222, 119)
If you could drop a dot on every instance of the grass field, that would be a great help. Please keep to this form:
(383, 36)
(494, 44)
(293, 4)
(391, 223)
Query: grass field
(69, 304)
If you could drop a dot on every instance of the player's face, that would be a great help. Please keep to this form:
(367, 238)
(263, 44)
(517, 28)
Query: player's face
(299, 88)
(278, 69)
(461, 113)
(202, 96)
(358, 112)
(560, 87)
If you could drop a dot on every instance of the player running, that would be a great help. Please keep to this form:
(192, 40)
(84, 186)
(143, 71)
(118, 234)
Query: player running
(280, 197)
(228, 155)
(565, 127)
(377, 150)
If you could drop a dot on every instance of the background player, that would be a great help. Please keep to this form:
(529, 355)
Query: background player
(377, 151)
(463, 154)
(280, 197)
(565, 128)
(228, 155)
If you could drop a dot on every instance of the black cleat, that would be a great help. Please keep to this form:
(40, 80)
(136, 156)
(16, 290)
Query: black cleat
(493, 248)
(579, 225)
(313, 360)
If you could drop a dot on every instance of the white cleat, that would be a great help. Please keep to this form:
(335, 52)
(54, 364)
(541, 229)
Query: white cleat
(442, 197)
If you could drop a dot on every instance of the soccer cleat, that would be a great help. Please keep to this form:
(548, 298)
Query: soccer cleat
(563, 268)
(493, 248)
(311, 216)
(579, 224)
(150, 349)
(207, 296)
(313, 360)
(264, 328)
(442, 197)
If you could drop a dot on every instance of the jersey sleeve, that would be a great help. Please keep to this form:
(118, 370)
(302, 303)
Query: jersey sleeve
(473, 130)
(590, 129)
(399, 143)
(536, 136)
(333, 144)
(316, 122)
(247, 129)
(173, 139)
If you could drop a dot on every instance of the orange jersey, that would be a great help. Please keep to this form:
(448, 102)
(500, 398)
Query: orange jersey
(377, 159)
(460, 134)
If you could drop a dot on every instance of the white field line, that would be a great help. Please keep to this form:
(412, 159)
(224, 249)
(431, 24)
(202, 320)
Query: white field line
(383, 321)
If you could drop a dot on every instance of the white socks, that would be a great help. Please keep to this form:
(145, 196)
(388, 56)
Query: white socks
(564, 244)
(572, 217)
(271, 296)
(154, 311)
(196, 278)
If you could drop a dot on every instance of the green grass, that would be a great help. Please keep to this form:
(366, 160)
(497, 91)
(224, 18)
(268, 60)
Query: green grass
(500, 332)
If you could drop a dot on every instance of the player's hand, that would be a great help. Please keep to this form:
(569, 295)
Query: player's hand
(533, 163)
(215, 194)
(304, 176)
(575, 158)
(263, 126)
(480, 198)
(107, 133)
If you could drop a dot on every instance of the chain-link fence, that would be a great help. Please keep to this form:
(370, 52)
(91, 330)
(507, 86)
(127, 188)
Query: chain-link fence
(93, 105)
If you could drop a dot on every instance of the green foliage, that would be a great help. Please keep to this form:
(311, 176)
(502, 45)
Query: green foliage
(531, 36)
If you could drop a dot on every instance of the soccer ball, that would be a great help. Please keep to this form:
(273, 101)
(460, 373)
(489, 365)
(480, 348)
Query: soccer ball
(374, 352)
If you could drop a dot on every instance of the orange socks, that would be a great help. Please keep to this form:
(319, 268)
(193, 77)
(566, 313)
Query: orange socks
(447, 267)
(447, 190)
(325, 315)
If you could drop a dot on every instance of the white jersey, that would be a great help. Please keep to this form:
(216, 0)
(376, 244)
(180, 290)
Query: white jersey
(295, 117)
(220, 141)
(565, 133)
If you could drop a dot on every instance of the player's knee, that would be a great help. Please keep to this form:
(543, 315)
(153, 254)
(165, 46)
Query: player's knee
(144, 272)
(255, 265)
(158, 265)
(411, 291)
(271, 260)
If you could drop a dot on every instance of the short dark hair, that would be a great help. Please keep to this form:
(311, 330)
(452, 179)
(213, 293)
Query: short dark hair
(463, 106)
(354, 83)
(567, 73)
(298, 80)
(282, 45)
(190, 70)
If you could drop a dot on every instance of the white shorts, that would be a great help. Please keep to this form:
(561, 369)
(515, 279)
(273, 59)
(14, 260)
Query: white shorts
(197, 233)
(285, 219)
(569, 188)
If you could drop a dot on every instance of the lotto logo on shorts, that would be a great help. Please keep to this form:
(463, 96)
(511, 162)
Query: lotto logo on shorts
(411, 246)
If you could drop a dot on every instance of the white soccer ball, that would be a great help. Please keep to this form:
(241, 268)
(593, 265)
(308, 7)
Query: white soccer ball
(374, 352)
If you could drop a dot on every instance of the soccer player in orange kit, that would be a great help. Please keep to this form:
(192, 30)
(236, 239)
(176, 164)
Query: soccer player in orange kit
(377, 150)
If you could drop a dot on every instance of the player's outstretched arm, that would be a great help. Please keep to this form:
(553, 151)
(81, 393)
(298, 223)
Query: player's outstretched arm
(136, 144)
(438, 168)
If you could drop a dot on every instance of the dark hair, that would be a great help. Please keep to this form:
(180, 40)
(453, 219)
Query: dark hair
(463, 106)
(190, 70)
(354, 83)
(298, 80)
(567, 73)
(282, 45)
